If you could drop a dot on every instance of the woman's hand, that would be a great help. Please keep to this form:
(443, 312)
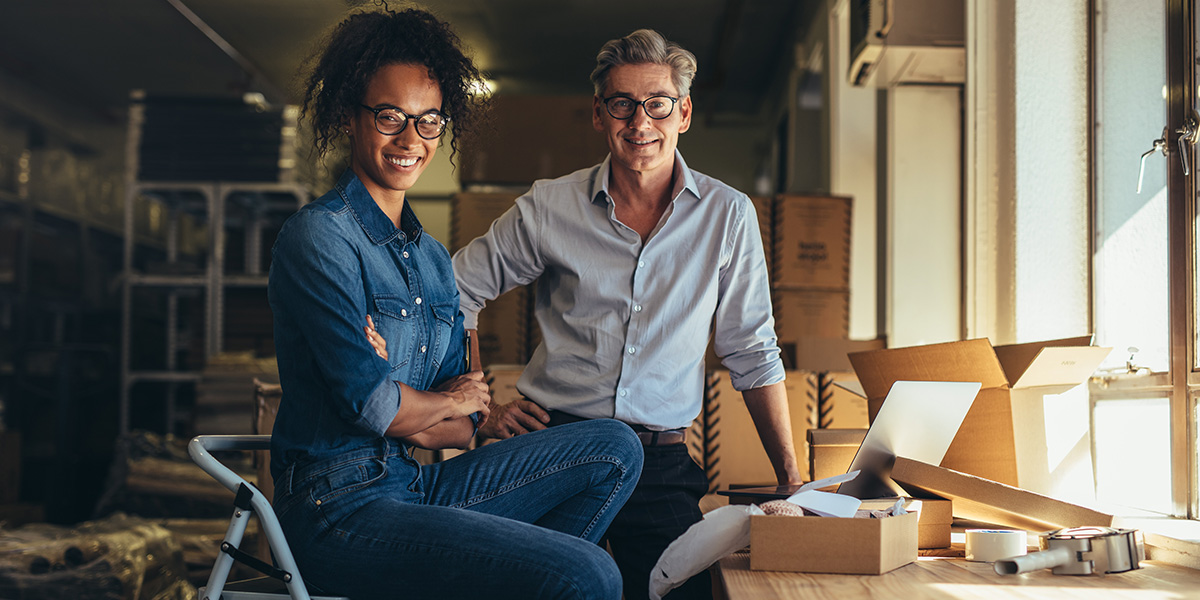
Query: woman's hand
(468, 394)
(376, 340)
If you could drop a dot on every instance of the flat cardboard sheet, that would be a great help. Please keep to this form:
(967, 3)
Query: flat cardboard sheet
(978, 499)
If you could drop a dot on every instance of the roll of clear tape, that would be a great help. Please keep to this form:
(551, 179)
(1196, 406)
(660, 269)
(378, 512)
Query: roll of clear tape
(990, 545)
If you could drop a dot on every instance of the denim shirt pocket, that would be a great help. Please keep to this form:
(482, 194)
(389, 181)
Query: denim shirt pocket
(443, 325)
(394, 320)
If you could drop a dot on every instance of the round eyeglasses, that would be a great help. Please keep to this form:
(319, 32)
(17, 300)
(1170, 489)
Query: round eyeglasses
(656, 107)
(390, 120)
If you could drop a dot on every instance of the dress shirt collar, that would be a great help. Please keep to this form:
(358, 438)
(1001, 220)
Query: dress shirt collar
(375, 224)
(683, 180)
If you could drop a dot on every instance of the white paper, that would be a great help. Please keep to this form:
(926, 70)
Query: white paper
(826, 504)
(827, 482)
(720, 533)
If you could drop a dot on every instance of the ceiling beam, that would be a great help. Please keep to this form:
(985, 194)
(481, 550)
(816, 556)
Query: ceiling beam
(273, 94)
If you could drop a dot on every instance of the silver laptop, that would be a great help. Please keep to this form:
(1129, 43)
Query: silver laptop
(917, 420)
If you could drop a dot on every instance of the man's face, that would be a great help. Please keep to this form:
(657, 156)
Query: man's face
(640, 143)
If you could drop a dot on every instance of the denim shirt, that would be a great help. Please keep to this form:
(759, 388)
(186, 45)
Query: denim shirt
(334, 262)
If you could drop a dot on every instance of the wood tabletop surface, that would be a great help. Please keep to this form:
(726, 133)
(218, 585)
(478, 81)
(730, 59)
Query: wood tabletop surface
(943, 578)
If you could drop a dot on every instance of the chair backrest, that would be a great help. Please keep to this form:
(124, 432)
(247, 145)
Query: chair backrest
(249, 500)
(266, 405)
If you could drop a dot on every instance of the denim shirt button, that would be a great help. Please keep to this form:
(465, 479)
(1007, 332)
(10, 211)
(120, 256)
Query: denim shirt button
(406, 254)
(422, 348)
(404, 312)
(418, 300)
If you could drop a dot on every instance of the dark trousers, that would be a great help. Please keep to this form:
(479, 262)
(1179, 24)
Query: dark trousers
(664, 504)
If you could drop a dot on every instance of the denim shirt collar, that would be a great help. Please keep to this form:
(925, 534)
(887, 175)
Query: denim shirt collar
(375, 224)
(683, 180)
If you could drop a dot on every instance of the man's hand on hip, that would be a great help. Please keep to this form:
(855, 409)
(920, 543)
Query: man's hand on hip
(514, 418)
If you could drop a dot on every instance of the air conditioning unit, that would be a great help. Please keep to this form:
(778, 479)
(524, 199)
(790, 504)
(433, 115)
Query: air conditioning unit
(895, 42)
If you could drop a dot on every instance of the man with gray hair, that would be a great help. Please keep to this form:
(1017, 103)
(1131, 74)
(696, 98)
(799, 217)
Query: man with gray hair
(638, 259)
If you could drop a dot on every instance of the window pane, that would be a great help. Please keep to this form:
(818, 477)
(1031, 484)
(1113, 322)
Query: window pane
(1196, 223)
(1131, 228)
(1133, 454)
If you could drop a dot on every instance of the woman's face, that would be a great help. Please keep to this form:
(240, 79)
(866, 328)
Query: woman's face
(388, 165)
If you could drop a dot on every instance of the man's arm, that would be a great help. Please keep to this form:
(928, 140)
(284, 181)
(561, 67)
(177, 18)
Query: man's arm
(514, 418)
(768, 407)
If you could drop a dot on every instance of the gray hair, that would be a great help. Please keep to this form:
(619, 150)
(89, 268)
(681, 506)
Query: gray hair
(645, 46)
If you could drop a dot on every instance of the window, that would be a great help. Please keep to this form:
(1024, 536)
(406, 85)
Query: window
(1144, 254)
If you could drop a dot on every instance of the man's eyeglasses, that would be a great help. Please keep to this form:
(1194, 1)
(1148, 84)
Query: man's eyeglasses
(656, 107)
(392, 121)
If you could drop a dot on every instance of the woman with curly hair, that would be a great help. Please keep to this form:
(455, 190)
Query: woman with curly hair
(514, 519)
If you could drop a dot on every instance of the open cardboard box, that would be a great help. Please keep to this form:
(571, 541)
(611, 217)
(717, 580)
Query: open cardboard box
(856, 546)
(1005, 436)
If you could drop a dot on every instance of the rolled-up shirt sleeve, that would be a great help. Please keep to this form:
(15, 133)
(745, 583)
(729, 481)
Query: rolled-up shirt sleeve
(744, 327)
(316, 281)
(503, 258)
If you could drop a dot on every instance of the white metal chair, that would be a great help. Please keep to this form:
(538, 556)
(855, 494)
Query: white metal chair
(282, 579)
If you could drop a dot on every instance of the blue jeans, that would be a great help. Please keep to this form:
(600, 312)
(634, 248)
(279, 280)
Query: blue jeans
(519, 518)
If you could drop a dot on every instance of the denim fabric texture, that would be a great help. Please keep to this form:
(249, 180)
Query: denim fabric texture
(517, 519)
(625, 324)
(336, 261)
(514, 519)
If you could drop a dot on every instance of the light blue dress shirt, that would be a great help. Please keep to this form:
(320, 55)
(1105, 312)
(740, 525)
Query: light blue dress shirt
(625, 325)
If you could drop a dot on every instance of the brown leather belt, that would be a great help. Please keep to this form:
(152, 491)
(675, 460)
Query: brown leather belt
(662, 438)
(648, 437)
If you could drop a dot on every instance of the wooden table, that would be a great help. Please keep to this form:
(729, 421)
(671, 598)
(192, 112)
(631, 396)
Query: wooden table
(940, 578)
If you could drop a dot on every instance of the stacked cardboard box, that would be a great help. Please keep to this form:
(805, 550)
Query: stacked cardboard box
(810, 274)
(724, 441)
(764, 209)
(505, 324)
(515, 154)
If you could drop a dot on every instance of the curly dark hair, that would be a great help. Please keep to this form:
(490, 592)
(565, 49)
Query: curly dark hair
(359, 46)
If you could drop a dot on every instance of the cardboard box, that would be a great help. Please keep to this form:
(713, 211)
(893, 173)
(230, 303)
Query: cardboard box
(502, 382)
(764, 209)
(833, 405)
(831, 451)
(823, 354)
(472, 214)
(511, 155)
(503, 329)
(977, 499)
(812, 242)
(998, 439)
(832, 545)
(803, 314)
(933, 524)
(724, 441)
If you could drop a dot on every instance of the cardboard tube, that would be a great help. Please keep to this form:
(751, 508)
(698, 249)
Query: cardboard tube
(1046, 559)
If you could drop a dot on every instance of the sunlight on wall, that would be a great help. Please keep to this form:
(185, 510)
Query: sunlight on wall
(1133, 453)
(1131, 287)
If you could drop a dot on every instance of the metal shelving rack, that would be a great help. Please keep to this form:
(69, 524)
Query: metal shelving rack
(206, 200)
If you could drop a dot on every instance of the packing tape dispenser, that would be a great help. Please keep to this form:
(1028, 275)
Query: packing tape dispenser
(1080, 551)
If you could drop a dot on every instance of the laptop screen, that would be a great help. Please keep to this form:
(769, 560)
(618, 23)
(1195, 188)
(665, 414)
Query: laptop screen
(917, 420)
